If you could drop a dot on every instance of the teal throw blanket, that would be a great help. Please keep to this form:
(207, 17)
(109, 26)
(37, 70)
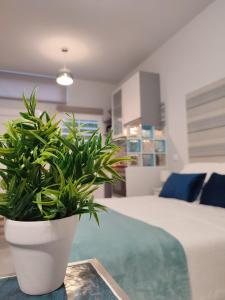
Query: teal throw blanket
(146, 261)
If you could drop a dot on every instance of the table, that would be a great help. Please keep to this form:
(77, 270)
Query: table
(86, 280)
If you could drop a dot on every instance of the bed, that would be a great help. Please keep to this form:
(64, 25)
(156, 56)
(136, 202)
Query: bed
(198, 229)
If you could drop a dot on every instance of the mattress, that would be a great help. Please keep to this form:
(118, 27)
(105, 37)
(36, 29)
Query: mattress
(199, 228)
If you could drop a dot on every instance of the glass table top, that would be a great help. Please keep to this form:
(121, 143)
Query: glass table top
(83, 281)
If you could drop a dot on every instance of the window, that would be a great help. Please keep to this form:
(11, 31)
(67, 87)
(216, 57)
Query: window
(87, 126)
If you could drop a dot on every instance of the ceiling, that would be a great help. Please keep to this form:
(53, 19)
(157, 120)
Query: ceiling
(106, 38)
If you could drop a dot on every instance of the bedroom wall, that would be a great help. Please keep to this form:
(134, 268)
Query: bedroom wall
(10, 108)
(91, 94)
(13, 85)
(83, 93)
(191, 59)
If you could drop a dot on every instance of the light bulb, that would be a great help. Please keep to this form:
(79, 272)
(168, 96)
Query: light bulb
(64, 77)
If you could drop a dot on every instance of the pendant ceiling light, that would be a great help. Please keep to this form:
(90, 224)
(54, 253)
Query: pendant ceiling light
(64, 76)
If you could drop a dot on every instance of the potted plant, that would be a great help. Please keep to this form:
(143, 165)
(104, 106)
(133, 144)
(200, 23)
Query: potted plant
(48, 182)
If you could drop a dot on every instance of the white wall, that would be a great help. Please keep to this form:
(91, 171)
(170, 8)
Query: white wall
(83, 93)
(10, 110)
(193, 58)
(92, 94)
(12, 86)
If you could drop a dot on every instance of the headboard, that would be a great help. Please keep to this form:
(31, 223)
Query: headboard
(206, 123)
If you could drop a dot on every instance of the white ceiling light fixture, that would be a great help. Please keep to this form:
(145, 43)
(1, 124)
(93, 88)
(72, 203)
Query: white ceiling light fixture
(64, 76)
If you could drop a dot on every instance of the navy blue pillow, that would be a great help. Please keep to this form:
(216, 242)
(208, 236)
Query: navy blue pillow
(183, 186)
(214, 191)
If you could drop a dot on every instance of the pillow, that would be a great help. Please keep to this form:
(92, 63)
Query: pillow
(214, 191)
(183, 186)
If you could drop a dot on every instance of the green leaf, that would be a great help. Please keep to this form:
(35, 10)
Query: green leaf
(33, 102)
(119, 159)
(38, 202)
(6, 151)
(113, 172)
(25, 102)
(36, 136)
(62, 179)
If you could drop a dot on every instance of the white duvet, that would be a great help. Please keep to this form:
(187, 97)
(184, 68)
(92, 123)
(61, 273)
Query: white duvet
(199, 228)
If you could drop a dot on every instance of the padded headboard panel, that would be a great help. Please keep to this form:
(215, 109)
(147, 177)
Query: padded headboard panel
(208, 168)
(206, 123)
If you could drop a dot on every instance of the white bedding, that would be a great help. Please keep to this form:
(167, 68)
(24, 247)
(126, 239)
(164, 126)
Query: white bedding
(199, 228)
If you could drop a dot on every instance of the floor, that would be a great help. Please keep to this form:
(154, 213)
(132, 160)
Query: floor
(6, 265)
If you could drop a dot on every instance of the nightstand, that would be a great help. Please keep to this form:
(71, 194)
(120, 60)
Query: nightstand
(85, 280)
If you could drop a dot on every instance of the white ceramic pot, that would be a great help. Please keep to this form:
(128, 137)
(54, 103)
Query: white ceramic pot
(40, 252)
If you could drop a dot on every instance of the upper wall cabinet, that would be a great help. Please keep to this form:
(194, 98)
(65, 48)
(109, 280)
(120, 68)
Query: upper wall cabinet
(141, 99)
(131, 104)
(117, 123)
(137, 99)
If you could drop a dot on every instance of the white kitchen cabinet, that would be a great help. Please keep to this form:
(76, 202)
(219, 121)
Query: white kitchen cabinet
(117, 123)
(138, 98)
(141, 99)
(131, 102)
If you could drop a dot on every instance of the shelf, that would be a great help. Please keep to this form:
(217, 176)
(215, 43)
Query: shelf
(133, 145)
(147, 151)
(148, 160)
(135, 153)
